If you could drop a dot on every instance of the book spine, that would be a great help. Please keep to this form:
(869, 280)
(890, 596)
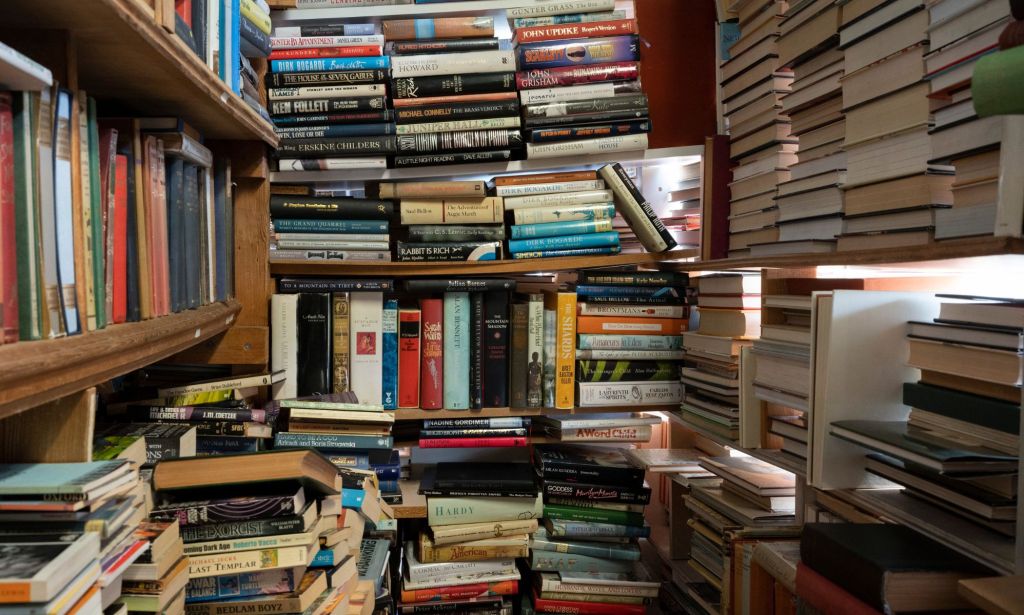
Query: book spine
(518, 355)
(422, 573)
(271, 526)
(476, 350)
(283, 347)
(590, 341)
(331, 441)
(637, 210)
(555, 584)
(460, 111)
(468, 432)
(329, 64)
(564, 304)
(485, 123)
(564, 199)
(618, 371)
(365, 351)
(327, 91)
(457, 511)
(307, 42)
(200, 513)
(470, 251)
(581, 30)
(581, 213)
(556, 229)
(570, 472)
(641, 433)
(409, 322)
(331, 285)
(439, 233)
(405, 48)
(596, 117)
(631, 355)
(488, 210)
(247, 544)
(314, 344)
(488, 423)
(457, 84)
(194, 413)
(333, 132)
(499, 61)
(569, 242)
(546, 605)
(574, 133)
(347, 51)
(329, 208)
(288, 225)
(583, 52)
(594, 515)
(561, 8)
(603, 493)
(327, 105)
(457, 592)
(496, 349)
(251, 11)
(600, 290)
(463, 553)
(225, 428)
(332, 164)
(535, 350)
(439, 189)
(432, 366)
(607, 551)
(315, 148)
(247, 561)
(463, 140)
(330, 255)
(319, 244)
(456, 350)
(348, 117)
(571, 17)
(586, 96)
(574, 562)
(502, 442)
(438, 28)
(240, 585)
(550, 355)
(405, 103)
(632, 325)
(428, 160)
(587, 146)
(389, 355)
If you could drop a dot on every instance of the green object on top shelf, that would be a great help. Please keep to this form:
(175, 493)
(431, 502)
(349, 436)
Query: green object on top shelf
(998, 83)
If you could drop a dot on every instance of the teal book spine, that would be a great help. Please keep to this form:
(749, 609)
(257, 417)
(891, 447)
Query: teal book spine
(456, 351)
(96, 206)
(561, 253)
(569, 242)
(559, 229)
(331, 441)
(564, 528)
(295, 225)
(389, 369)
(329, 64)
(608, 550)
(574, 562)
(26, 200)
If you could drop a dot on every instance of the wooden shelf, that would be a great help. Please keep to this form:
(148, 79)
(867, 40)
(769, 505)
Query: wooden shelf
(406, 269)
(33, 373)
(124, 55)
(417, 414)
(651, 157)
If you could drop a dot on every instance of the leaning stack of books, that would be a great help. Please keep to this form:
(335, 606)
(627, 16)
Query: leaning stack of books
(329, 228)
(451, 83)
(629, 337)
(448, 221)
(480, 519)
(594, 501)
(328, 100)
(579, 82)
(958, 37)
(730, 316)
(67, 534)
(761, 143)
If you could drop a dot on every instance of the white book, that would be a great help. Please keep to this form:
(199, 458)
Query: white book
(366, 315)
(541, 215)
(484, 123)
(20, 72)
(332, 164)
(559, 199)
(630, 355)
(629, 393)
(308, 42)
(328, 91)
(551, 188)
(603, 145)
(565, 94)
(491, 61)
(302, 244)
(283, 345)
(548, 7)
(643, 311)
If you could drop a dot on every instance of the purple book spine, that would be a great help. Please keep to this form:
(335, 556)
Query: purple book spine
(579, 52)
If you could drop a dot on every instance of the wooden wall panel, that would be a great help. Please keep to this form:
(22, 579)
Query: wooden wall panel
(678, 69)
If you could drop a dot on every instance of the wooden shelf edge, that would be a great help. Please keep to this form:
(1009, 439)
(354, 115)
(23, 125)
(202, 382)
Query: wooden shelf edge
(33, 373)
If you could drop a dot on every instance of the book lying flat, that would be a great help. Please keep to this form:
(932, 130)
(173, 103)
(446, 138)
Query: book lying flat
(303, 466)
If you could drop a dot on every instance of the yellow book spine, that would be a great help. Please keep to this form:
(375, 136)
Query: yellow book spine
(253, 13)
(564, 305)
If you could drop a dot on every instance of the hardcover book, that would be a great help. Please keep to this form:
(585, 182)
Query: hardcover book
(564, 306)
(432, 361)
(586, 465)
(366, 311)
(389, 355)
(314, 344)
(409, 324)
(456, 350)
(495, 349)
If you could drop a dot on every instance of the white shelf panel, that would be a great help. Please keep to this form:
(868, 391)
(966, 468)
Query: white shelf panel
(20, 73)
(494, 8)
(646, 158)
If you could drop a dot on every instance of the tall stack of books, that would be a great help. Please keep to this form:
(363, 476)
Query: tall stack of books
(761, 141)
(330, 228)
(594, 501)
(252, 525)
(730, 316)
(958, 449)
(810, 203)
(579, 82)
(156, 582)
(480, 519)
(67, 533)
(892, 182)
(958, 37)
(630, 345)
(328, 100)
(451, 83)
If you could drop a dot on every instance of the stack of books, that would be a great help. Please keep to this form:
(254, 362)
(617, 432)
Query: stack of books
(960, 35)
(597, 427)
(474, 433)
(629, 337)
(308, 228)
(594, 501)
(579, 82)
(893, 185)
(761, 141)
(451, 84)
(156, 582)
(810, 203)
(252, 526)
(480, 519)
(328, 100)
(959, 447)
(680, 213)
(67, 533)
(729, 306)
(253, 40)
(448, 221)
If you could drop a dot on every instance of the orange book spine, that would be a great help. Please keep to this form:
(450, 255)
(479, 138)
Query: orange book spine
(545, 178)
(457, 592)
(616, 325)
(441, 27)
(564, 305)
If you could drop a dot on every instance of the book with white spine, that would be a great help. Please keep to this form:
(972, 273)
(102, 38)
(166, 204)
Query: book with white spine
(366, 312)
(491, 61)
(328, 91)
(543, 8)
(589, 91)
(586, 197)
(283, 347)
(485, 123)
(310, 42)
(603, 145)
(550, 188)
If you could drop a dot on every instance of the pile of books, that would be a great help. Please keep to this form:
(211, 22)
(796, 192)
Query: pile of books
(594, 501)
(579, 82)
(958, 38)
(480, 517)
(761, 141)
(68, 534)
(328, 99)
(680, 212)
(454, 92)
(308, 227)
(448, 221)
(730, 316)
(958, 449)
(252, 40)
(629, 337)
(156, 582)
(474, 432)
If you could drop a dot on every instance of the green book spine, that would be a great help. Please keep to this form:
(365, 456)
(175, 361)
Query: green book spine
(96, 204)
(997, 85)
(30, 313)
(597, 515)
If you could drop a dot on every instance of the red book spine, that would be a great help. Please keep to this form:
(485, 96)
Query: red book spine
(8, 242)
(409, 358)
(576, 607)
(431, 361)
(352, 51)
(508, 442)
(120, 231)
(826, 596)
(184, 10)
(575, 75)
(577, 30)
(457, 592)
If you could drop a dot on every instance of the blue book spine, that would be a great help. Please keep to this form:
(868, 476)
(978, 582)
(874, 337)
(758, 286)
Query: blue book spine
(577, 52)
(589, 341)
(207, 589)
(456, 351)
(606, 550)
(554, 20)
(337, 130)
(567, 242)
(291, 225)
(389, 329)
(584, 529)
(358, 29)
(389, 486)
(329, 64)
(387, 472)
(557, 229)
(576, 252)
(352, 498)
(331, 441)
(234, 67)
(594, 290)
(324, 558)
(574, 562)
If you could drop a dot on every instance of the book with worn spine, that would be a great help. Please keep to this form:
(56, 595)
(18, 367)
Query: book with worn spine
(502, 547)
(441, 233)
(639, 212)
(444, 85)
(242, 585)
(438, 27)
(444, 511)
(534, 350)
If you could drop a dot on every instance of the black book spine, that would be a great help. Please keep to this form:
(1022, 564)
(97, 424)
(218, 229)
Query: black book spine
(175, 178)
(429, 160)
(456, 432)
(629, 102)
(215, 428)
(256, 37)
(622, 371)
(423, 252)
(496, 349)
(341, 77)
(160, 413)
(184, 32)
(585, 118)
(603, 493)
(460, 141)
(638, 300)
(329, 208)
(314, 344)
(192, 247)
(984, 411)
(199, 33)
(602, 475)
(400, 48)
(476, 351)
(332, 285)
(450, 85)
(134, 313)
(518, 358)
(317, 148)
(859, 576)
(198, 513)
(440, 233)
(327, 105)
(251, 528)
(456, 111)
(330, 119)
(464, 492)
(645, 206)
(573, 133)
(469, 285)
